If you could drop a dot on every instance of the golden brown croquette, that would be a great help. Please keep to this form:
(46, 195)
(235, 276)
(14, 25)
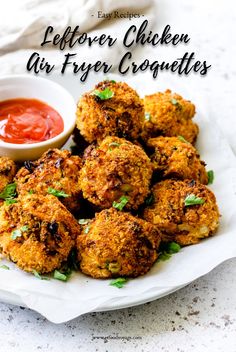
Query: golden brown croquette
(178, 221)
(173, 157)
(117, 244)
(57, 170)
(37, 232)
(114, 169)
(7, 172)
(168, 114)
(122, 114)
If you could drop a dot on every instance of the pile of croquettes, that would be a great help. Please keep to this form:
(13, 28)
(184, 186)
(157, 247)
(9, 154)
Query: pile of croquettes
(134, 183)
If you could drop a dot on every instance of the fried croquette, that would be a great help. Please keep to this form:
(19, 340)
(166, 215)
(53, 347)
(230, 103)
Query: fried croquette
(111, 109)
(174, 215)
(168, 114)
(7, 172)
(37, 232)
(114, 169)
(175, 158)
(56, 170)
(117, 244)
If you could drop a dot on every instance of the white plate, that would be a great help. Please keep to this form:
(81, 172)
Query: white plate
(60, 302)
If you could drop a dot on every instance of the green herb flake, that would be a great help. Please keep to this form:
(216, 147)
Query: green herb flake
(150, 199)
(4, 267)
(210, 175)
(60, 276)
(164, 256)
(83, 221)
(15, 234)
(103, 94)
(119, 282)
(113, 144)
(9, 191)
(31, 191)
(191, 199)
(173, 247)
(147, 116)
(40, 277)
(10, 201)
(121, 204)
(167, 249)
(176, 103)
(86, 230)
(24, 228)
(57, 193)
(182, 139)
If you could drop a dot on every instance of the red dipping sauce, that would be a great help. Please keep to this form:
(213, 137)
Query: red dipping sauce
(28, 121)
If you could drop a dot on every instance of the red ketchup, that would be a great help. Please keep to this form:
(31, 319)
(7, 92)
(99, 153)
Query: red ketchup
(28, 121)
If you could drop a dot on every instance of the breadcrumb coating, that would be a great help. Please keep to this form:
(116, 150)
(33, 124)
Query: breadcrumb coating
(178, 222)
(56, 169)
(168, 114)
(114, 169)
(122, 115)
(37, 232)
(117, 244)
(175, 158)
(7, 171)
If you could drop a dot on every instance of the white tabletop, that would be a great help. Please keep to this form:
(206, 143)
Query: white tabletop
(202, 316)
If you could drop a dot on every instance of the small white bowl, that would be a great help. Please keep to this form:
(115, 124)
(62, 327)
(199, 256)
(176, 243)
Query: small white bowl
(49, 92)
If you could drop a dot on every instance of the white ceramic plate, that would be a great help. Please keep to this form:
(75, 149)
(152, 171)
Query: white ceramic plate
(60, 302)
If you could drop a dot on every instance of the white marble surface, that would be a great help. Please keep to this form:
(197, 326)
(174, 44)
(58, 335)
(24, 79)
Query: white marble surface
(202, 316)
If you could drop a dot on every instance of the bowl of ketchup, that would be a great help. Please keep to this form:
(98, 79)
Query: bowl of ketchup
(35, 114)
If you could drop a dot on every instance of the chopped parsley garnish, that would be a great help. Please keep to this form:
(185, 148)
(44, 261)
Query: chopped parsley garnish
(121, 204)
(167, 249)
(8, 193)
(176, 103)
(57, 193)
(83, 221)
(31, 191)
(147, 116)
(173, 247)
(103, 94)
(15, 234)
(164, 256)
(60, 276)
(182, 139)
(10, 201)
(191, 199)
(86, 230)
(18, 232)
(210, 175)
(40, 277)
(119, 282)
(113, 144)
(4, 267)
(150, 199)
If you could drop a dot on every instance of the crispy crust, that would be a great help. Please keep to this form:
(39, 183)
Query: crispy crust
(117, 244)
(170, 115)
(185, 225)
(116, 168)
(56, 169)
(175, 158)
(7, 172)
(49, 237)
(122, 115)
